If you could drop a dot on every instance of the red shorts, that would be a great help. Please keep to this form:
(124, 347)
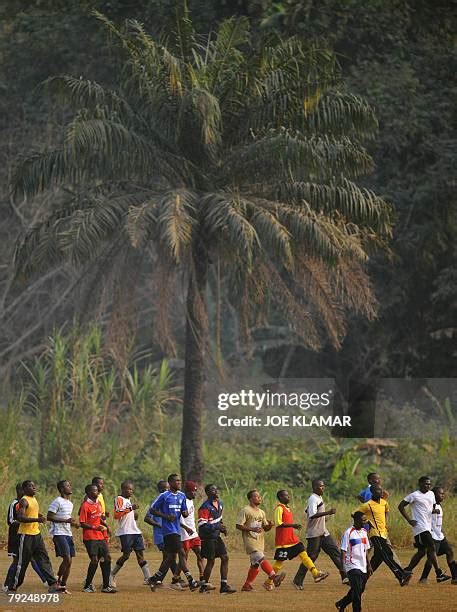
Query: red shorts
(192, 543)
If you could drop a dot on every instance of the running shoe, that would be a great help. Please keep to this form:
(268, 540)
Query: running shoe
(321, 576)
(278, 579)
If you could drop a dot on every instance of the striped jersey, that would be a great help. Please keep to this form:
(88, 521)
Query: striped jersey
(210, 519)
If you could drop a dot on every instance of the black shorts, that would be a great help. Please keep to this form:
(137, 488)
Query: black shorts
(13, 544)
(97, 548)
(213, 548)
(286, 554)
(443, 547)
(424, 540)
(64, 546)
(172, 543)
(131, 541)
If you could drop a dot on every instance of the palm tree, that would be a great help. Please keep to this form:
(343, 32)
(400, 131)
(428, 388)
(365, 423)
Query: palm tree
(215, 150)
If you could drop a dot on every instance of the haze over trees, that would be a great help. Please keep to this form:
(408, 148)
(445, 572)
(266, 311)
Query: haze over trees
(400, 58)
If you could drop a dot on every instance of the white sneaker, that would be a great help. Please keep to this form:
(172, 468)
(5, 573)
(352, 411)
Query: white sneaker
(112, 582)
(176, 586)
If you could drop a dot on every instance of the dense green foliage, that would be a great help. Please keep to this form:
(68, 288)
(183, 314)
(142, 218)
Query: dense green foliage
(399, 55)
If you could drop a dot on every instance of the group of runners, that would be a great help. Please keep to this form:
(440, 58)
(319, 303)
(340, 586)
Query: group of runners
(178, 529)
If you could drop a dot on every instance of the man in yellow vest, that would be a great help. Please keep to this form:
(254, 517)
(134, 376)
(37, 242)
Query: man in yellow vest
(31, 544)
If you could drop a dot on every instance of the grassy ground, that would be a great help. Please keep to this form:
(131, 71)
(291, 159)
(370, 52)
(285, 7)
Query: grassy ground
(382, 593)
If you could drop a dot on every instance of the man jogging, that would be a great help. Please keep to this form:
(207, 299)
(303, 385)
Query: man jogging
(252, 522)
(422, 504)
(31, 544)
(376, 512)
(210, 527)
(354, 557)
(317, 534)
(442, 546)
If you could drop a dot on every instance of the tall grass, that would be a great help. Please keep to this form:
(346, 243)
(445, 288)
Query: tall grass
(77, 414)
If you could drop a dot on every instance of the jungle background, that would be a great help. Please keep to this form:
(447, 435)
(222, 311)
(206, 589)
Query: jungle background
(84, 391)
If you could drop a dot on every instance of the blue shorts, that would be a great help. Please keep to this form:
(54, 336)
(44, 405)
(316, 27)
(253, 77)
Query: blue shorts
(131, 541)
(64, 545)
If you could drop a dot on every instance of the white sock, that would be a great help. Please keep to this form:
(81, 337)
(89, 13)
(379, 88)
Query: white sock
(145, 570)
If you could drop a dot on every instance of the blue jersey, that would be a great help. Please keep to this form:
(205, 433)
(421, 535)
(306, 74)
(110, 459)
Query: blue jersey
(157, 531)
(365, 494)
(171, 503)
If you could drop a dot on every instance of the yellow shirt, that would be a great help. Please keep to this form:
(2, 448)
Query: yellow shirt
(375, 514)
(32, 510)
(252, 517)
(101, 501)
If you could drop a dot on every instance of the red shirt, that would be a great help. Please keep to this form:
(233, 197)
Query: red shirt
(284, 536)
(90, 514)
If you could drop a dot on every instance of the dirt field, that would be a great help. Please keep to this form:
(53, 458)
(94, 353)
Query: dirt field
(383, 593)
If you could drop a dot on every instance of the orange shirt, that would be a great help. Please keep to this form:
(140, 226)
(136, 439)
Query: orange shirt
(90, 514)
(284, 536)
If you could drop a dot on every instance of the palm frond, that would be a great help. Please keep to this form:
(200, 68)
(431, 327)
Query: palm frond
(224, 57)
(361, 206)
(354, 288)
(141, 222)
(38, 172)
(184, 35)
(90, 228)
(290, 78)
(38, 249)
(83, 93)
(176, 218)
(341, 114)
(223, 217)
(280, 154)
(274, 237)
(316, 281)
(295, 313)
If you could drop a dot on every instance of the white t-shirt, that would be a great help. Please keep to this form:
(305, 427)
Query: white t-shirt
(437, 524)
(355, 544)
(62, 508)
(421, 510)
(189, 521)
(315, 527)
(126, 521)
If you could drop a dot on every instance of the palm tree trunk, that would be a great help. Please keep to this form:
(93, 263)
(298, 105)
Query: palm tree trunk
(194, 370)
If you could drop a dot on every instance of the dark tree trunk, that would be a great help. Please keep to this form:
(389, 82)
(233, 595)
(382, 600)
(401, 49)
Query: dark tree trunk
(194, 371)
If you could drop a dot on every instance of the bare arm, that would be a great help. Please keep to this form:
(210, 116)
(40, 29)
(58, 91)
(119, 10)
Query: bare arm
(369, 569)
(52, 517)
(319, 514)
(150, 521)
(90, 528)
(21, 518)
(401, 506)
(166, 517)
(246, 528)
